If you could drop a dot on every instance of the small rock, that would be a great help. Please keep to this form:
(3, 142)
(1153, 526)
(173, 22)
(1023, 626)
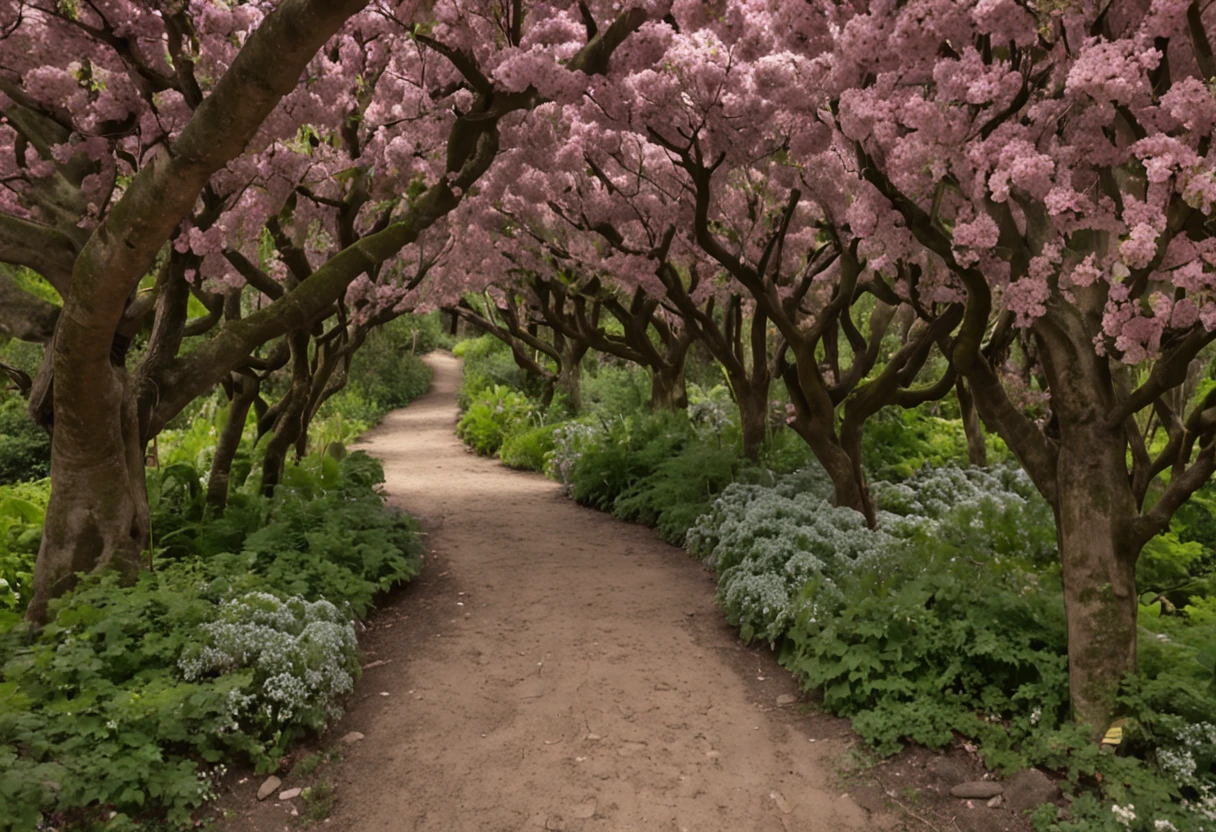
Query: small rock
(781, 802)
(996, 802)
(290, 794)
(351, 738)
(555, 824)
(977, 790)
(269, 787)
(786, 699)
(585, 809)
(1030, 789)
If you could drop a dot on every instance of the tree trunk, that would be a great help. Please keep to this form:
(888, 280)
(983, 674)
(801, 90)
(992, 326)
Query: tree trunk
(753, 418)
(1094, 508)
(849, 488)
(977, 444)
(244, 395)
(291, 420)
(98, 515)
(667, 388)
(569, 376)
(814, 421)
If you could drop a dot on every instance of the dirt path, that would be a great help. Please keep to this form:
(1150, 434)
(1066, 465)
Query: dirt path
(555, 668)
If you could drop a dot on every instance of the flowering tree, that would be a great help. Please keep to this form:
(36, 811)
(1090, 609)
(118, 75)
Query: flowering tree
(715, 183)
(1054, 165)
(154, 126)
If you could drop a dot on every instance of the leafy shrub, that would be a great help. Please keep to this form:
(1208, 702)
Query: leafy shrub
(897, 442)
(569, 440)
(711, 409)
(122, 709)
(613, 390)
(303, 655)
(529, 448)
(766, 546)
(325, 534)
(493, 415)
(940, 637)
(679, 489)
(626, 451)
(487, 364)
(386, 372)
(22, 510)
(25, 448)
(948, 621)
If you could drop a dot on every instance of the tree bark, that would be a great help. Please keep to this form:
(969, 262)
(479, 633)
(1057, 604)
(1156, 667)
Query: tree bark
(814, 425)
(977, 443)
(98, 514)
(668, 391)
(569, 376)
(1099, 569)
(244, 395)
(290, 422)
(753, 417)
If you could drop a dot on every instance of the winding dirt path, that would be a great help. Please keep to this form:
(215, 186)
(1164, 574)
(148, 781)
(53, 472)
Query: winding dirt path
(555, 668)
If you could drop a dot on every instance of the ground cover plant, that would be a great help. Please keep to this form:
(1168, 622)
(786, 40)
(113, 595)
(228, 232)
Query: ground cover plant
(127, 707)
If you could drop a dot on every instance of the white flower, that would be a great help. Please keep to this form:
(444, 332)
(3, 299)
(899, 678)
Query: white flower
(1124, 814)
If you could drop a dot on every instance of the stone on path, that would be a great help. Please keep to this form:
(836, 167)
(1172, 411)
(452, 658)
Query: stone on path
(786, 699)
(351, 738)
(585, 809)
(268, 788)
(290, 794)
(1030, 789)
(977, 790)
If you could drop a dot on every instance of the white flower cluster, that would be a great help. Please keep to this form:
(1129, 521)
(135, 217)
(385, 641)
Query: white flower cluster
(769, 544)
(303, 655)
(1193, 743)
(1124, 814)
(569, 440)
(933, 492)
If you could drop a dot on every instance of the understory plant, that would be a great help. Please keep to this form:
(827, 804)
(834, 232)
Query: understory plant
(492, 416)
(947, 622)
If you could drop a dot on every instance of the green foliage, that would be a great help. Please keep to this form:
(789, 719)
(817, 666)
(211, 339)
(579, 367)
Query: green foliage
(22, 510)
(898, 442)
(493, 415)
(942, 638)
(387, 371)
(678, 490)
(626, 451)
(948, 621)
(319, 801)
(527, 449)
(121, 711)
(488, 364)
(613, 390)
(25, 448)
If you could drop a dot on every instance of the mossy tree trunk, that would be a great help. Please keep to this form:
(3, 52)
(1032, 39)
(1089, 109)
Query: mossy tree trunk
(245, 389)
(977, 443)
